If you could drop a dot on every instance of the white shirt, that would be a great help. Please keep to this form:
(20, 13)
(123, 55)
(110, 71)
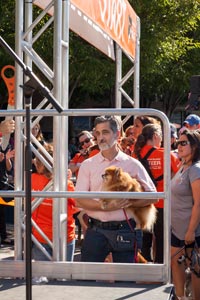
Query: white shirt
(90, 179)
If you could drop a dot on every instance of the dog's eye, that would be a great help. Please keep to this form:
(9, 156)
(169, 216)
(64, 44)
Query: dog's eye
(104, 175)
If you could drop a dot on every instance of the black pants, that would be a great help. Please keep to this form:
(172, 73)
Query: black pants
(158, 231)
(147, 245)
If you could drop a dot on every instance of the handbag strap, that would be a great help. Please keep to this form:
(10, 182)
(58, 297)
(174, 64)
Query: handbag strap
(132, 230)
(127, 219)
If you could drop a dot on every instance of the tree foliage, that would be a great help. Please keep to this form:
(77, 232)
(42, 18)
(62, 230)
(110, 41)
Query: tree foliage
(169, 49)
(169, 55)
(91, 72)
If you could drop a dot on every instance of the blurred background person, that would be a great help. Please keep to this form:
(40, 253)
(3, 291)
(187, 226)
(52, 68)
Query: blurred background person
(127, 141)
(7, 127)
(43, 214)
(174, 136)
(37, 133)
(85, 139)
(6, 167)
(192, 122)
(149, 152)
(140, 122)
(72, 148)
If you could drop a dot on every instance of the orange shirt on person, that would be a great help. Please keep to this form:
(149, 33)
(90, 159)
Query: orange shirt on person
(94, 151)
(43, 214)
(78, 159)
(156, 165)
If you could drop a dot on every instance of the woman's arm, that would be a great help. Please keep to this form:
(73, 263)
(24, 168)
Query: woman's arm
(195, 216)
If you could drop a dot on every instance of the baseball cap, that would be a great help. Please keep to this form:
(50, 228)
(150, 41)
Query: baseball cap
(173, 131)
(192, 120)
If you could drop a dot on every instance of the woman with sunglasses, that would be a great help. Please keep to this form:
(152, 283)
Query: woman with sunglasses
(85, 139)
(185, 209)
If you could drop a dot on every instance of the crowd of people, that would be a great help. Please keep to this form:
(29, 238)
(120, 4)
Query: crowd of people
(139, 152)
(143, 142)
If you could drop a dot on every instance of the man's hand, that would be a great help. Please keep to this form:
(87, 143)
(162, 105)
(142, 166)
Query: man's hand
(114, 204)
(141, 202)
(7, 126)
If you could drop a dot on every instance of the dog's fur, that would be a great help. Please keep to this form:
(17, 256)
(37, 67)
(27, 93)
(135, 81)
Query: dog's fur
(117, 180)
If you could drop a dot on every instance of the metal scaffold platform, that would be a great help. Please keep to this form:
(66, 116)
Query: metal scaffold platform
(76, 280)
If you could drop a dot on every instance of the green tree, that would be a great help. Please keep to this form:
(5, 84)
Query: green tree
(7, 31)
(92, 74)
(169, 50)
(170, 45)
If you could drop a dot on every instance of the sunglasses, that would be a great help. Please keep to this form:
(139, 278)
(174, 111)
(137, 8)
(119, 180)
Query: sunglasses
(182, 143)
(85, 141)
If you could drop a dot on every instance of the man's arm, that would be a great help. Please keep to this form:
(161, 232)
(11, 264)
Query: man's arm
(97, 205)
(142, 202)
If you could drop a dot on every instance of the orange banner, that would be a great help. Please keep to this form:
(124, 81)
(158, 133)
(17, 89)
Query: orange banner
(116, 17)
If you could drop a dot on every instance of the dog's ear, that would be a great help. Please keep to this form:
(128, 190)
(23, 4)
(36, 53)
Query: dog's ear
(117, 172)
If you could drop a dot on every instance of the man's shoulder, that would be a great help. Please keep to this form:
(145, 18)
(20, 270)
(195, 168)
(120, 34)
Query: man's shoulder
(93, 159)
(125, 157)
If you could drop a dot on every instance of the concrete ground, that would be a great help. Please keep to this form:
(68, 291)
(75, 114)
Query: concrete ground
(86, 290)
(17, 289)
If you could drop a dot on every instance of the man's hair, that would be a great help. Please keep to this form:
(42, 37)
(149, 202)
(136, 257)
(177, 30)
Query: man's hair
(114, 121)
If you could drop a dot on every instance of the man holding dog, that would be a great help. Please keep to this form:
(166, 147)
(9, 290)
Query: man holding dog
(109, 222)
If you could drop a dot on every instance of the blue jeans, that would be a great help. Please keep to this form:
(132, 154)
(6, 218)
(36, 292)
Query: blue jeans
(37, 254)
(96, 247)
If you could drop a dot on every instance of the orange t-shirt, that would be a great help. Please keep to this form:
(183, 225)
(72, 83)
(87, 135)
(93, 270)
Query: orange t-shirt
(156, 165)
(42, 215)
(78, 158)
(94, 152)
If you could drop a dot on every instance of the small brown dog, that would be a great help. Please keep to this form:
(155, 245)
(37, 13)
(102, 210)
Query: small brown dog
(115, 179)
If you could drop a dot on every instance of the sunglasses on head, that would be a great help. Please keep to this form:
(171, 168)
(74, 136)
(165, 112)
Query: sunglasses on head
(182, 143)
(85, 141)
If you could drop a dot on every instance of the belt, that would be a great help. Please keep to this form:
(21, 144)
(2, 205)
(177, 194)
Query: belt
(111, 225)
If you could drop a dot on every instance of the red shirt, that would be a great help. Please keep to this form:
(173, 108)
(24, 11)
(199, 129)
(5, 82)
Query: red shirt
(156, 165)
(78, 158)
(42, 215)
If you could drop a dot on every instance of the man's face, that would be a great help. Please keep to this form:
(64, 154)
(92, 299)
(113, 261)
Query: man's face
(193, 127)
(106, 138)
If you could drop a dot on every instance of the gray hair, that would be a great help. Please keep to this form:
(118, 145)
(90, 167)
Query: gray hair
(114, 121)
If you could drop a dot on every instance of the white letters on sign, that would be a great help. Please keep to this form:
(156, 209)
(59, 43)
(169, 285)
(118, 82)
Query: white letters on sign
(113, 15)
